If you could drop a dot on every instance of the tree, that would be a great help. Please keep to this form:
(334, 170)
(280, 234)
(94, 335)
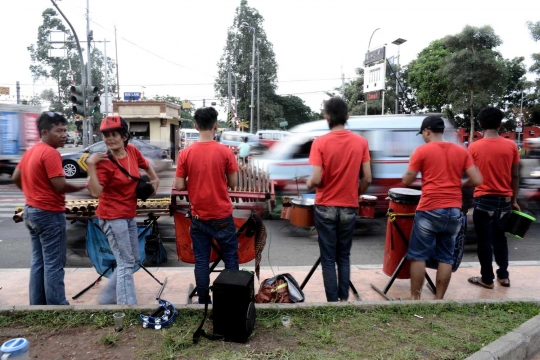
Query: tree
(185, 113)
(428, 84)
(57, 68)
(238, 55)
(295, 110)
(473, 69)
(534, 98)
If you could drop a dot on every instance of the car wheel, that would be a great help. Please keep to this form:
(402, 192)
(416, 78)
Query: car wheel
(71, 169)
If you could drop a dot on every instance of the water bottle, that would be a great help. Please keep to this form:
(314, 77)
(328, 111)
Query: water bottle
(15, 349)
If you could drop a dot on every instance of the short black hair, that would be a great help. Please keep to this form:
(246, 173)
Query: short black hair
(337, 111)
(48, 119)
(205, 118)
(490, 118)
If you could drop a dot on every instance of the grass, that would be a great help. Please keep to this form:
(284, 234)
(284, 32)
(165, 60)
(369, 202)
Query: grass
(446, 331)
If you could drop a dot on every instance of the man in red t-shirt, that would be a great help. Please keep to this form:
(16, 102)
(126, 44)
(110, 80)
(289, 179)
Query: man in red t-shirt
(206, 169)
(41, 178)
(438, 215)
(497, 159)
(338, 159)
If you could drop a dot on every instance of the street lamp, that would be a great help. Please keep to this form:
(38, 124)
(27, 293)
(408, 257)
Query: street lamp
(397, 42)
(252, 29)
(369, 47)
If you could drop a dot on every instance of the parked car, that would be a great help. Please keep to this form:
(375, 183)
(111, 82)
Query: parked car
(234, 138)
(188, 137)
(74, 163)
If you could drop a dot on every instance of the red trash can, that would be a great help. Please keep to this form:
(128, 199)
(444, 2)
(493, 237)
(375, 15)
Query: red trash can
(401, 210)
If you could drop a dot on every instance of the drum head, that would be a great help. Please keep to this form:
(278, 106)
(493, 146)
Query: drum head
(303, 202)
(404, 196)
(368, 198)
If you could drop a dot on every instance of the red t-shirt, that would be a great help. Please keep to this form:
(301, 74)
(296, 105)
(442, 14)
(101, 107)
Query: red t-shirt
(494, 158)
(442, 165)
(118, 199)
(38, 165)
(205, 165)
(340, 154)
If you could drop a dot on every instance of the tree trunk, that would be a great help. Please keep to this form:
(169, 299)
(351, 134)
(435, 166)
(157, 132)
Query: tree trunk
(471, 138)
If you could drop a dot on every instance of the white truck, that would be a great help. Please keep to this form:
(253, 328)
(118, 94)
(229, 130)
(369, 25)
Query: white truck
(18, 132)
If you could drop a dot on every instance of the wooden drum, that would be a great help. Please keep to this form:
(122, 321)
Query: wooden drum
(302, 213)
(366, 206)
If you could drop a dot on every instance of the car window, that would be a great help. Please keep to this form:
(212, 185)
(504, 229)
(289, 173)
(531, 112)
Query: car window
(98, 147)
(302, 151)
(265, 136)
(403, 142)
(277, 136)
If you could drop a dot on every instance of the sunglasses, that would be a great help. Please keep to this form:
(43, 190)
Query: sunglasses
(54, 113)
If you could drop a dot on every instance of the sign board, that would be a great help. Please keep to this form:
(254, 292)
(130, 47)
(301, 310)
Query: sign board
(132, 96)
(518, 129)
(4, 90)
(283, 124)
(374, 77)
(374, 95)
(375, 55)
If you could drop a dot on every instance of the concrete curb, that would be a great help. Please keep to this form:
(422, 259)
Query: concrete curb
(519, 344)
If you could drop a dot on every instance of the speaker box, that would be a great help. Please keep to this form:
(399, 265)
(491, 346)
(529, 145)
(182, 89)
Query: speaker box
(233, 305)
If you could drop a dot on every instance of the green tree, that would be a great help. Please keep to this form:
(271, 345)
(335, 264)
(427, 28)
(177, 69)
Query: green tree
(186, 114)
(534, 97)
(57, 68)
(237, 54)
(295, 110)
(473, 69)
(426, 80)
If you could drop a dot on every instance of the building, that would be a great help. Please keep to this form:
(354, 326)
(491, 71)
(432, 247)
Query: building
(155, 121)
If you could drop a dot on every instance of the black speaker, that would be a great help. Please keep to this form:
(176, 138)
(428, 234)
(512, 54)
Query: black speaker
(233, 305)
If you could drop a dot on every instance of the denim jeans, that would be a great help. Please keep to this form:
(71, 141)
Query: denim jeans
(434, 234)
(335, 227)
(490, 216)
(124, 242)
(202, 232)
(49, 243)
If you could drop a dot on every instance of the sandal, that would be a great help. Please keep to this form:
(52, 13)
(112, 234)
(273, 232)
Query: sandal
(504, 282)
(477, 280)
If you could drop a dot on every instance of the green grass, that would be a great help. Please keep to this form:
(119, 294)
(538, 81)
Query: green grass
(446, 331)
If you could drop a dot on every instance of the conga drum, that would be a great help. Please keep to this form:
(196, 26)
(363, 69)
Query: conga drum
(366, 206)
(302, 213)
(403, 203)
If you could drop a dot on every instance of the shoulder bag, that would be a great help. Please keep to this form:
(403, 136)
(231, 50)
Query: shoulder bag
(144, 189)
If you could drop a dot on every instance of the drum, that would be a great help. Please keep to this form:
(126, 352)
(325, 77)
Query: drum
(403, 202)
(366, 206)
(287, 206)
(302, 213)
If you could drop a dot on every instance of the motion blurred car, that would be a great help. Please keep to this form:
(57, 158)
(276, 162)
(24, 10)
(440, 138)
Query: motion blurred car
(234, 138)
(160, 159)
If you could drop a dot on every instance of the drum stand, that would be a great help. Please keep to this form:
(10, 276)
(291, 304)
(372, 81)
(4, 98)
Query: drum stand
(430, 283)
(317, 263)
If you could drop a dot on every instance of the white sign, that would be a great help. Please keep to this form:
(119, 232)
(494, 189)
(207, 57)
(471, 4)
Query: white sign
(518, 129)
(374, 77)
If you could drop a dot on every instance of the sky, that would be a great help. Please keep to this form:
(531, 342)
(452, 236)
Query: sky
(173, 46)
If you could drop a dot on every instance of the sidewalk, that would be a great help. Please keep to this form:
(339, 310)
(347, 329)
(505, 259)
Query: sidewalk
(524, 276)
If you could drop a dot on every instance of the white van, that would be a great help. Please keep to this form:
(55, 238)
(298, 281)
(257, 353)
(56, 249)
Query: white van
(271, 137)
(391, 139)
(188, 137)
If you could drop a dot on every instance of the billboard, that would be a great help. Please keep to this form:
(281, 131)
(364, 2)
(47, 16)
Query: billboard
(375, 77)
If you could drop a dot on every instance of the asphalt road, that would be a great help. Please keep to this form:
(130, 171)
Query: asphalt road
(285, 246)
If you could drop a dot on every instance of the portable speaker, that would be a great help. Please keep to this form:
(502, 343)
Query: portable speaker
(233, 305)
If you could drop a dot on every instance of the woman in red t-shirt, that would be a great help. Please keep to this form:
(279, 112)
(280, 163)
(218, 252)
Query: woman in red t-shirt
(118, 205)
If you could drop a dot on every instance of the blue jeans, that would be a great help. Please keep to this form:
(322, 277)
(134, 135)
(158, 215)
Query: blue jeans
(335, 227)
(434, 234)
(49, 243)
(124, 242)
(490, 216)
(202, 232)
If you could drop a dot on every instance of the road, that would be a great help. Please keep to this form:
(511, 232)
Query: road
(286, 245)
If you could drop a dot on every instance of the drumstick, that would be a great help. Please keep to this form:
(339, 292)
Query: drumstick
(18, 217)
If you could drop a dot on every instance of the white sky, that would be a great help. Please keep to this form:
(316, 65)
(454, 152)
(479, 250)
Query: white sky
(314, 40)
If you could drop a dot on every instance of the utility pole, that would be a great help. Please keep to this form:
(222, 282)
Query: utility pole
(117, 78)
(106, 77)
(89, 38)
(229, 91)
(203, 102)
(258, 90)
(18, 93)
(342, 83)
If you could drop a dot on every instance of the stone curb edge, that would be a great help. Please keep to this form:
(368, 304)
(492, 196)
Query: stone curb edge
(519, 344)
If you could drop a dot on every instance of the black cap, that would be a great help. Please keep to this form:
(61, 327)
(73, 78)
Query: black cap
(432, 122)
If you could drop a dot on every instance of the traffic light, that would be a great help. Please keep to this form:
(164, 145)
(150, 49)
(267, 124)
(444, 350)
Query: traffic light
(93, 99)
(77, 99)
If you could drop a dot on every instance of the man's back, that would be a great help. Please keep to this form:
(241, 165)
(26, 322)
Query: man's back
(340, 154)
(442, 165)
(205, 164)
(494, 158)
